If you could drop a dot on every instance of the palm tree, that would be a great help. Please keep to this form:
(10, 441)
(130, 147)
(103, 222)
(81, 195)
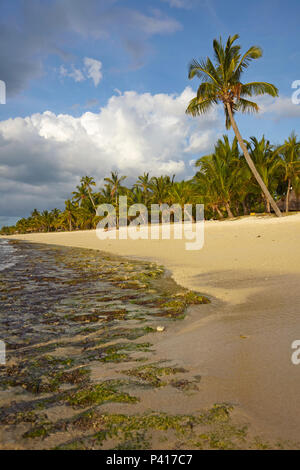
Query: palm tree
(267, 163)
(115, 181)
(220, 83)
(144, 182)
(80, 195)
(87, 182)
(160, 187)
(68, 216)
(22, 225)
(182, 193)
(222, 171)
(105, 196)
(46, 220)
(35, 220)
(290, 152)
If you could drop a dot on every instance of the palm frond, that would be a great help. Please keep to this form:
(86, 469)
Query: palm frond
(197, 107)
(200, 70)
(207, 90)
(259, 88)
(246, 106)
(254, 52)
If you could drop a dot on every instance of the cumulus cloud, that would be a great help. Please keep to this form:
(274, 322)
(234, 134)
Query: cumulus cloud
(278, 108)
(40, 28)
(43, 156)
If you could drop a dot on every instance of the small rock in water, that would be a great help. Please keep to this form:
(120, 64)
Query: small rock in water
(160, 328)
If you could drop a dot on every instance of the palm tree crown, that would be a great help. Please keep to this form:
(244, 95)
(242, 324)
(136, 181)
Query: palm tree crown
(221, 83)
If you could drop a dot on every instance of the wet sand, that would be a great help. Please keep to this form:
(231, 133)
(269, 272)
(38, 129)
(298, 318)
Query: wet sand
(241, 345)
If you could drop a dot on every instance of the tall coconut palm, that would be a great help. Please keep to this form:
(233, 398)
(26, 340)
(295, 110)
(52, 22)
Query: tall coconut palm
(160, 186)
(87, 182)
(105, 196)
(80, 195)
(35, 220)
(290, 153)
(221, 83)
(68, 216)
(115, 181)
(144, 182)
(47, 221)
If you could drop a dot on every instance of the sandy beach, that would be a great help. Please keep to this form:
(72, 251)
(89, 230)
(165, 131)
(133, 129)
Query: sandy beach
(241, 344)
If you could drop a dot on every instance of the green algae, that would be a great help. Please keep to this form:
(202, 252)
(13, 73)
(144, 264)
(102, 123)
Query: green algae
(152, 374)
(213, 429)
(99, 394)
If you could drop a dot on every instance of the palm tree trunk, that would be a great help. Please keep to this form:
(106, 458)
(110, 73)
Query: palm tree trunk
(219, 212)
(251, 164)
(230, 214)
(92, 200)
(287, 196)
(245, 208)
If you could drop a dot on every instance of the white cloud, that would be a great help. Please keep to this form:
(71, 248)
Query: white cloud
(43, 156)
(93, 69)
(200, 142)
(42, 28)
(75, 74)
(278, 108)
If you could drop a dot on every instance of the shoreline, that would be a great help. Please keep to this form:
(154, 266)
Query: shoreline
(241, 346)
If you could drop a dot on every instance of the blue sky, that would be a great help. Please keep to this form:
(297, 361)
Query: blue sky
(71, 57)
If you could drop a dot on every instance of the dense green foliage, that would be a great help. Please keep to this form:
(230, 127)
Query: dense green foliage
(223, 183)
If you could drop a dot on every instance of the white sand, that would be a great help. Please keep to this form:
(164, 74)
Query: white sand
(241, 343)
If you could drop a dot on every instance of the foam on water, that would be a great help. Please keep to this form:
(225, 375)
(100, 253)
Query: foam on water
(8, 256)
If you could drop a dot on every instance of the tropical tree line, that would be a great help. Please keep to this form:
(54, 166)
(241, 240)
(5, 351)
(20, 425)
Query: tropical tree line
(237, 178)
(223, 182)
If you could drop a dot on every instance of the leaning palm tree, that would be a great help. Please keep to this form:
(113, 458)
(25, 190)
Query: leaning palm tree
(221, 83)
